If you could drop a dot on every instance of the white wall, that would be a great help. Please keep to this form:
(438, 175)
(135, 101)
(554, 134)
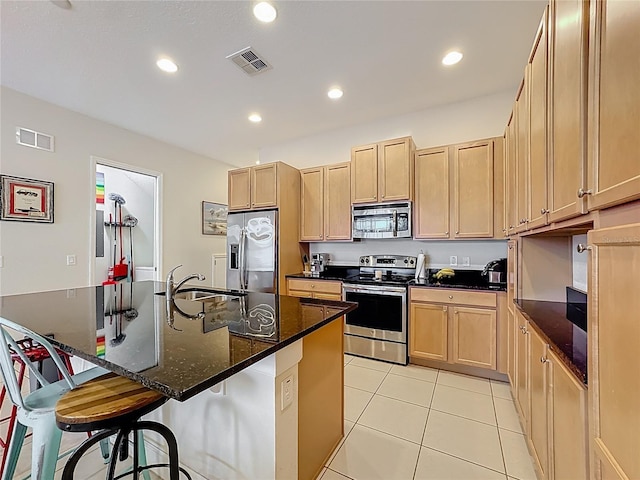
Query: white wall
(437, 252)
(454, 123)
(34, 255)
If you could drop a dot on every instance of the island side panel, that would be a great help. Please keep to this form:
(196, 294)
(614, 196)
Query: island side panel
(321, 398)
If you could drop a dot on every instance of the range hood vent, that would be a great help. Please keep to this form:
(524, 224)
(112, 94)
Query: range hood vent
(249, 61)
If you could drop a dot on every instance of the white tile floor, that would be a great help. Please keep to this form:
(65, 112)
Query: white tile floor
(419, 423)
(400, 423)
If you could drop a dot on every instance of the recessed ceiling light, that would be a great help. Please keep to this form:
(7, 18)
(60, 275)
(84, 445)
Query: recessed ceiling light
(452, 58)
(265, 12)
(167, 65)
(335, 93)
(255, 118)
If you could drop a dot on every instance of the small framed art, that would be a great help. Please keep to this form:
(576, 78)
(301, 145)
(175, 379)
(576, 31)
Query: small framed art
(214, 218)
(26, 199)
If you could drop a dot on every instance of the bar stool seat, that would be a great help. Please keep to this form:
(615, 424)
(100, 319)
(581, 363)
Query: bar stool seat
(114, 405)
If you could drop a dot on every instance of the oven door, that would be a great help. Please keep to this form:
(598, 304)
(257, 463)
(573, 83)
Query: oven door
(381, 312)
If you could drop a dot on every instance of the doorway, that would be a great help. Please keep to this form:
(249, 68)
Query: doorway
(125, 238)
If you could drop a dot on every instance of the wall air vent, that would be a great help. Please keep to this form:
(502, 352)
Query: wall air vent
(249, 61)
(31, 138)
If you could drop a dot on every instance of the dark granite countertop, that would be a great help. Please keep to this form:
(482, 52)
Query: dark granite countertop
(464, 279)
(128, 329)
(566, 339)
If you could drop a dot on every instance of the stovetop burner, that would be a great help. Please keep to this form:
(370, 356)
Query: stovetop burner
(369, 279)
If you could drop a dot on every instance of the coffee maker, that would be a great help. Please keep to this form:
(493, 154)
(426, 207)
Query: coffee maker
(495, 273)
(318, 263)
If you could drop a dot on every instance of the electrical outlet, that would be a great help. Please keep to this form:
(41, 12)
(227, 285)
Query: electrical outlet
(71, 293)
(466, 261)
(71, 260)
(286, 392)
(453, 261)
(1, 261)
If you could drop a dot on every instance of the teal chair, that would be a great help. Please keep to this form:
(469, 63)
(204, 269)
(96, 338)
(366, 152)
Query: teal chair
(37, 409)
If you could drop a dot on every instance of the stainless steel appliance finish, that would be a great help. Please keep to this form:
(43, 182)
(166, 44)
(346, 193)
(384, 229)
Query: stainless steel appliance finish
(378, 327)
(381, 220)
(318, 262)
(495, 272)
(252, 246)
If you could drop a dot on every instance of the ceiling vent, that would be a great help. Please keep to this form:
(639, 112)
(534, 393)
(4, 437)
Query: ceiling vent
(31, 138)
(249, 61)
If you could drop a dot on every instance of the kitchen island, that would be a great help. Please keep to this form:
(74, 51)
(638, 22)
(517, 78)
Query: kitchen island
(227, 359)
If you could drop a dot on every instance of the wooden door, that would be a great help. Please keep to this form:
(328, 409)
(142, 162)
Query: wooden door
(395, 170)
(568, 421)
(538, 398)
(614, 343)
(337, 202)
(512, 336)
(614, 98)
(474, 337)
(264, 186)
(311, 204)
(511, 197)
(428, 335)
(522, 369)
(431, 206)
(320, 398)
(568, 20)
(522, 154)
(239, 189)
(537, 178)
(473, 190)
(364, 174)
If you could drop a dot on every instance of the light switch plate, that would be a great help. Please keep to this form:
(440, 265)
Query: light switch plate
(71, 260)
(453, 261)
(286, 392)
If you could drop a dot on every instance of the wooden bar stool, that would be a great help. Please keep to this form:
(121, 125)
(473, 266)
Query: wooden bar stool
(114, 405)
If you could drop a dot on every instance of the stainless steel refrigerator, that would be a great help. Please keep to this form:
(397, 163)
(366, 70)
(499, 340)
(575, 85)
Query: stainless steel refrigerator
(252, 247)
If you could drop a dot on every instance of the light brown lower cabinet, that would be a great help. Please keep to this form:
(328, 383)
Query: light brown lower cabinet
(461, 328)
(314, 288)
(552, 406)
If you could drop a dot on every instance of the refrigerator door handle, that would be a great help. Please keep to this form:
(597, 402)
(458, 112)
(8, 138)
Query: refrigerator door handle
(243, 259)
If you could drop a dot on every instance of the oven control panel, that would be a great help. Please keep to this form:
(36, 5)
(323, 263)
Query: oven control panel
(396, 261)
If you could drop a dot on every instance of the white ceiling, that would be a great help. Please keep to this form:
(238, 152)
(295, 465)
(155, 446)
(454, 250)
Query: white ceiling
(98, 58)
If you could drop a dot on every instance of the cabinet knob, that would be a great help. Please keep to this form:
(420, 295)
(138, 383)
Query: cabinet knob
(444, 309)
(542, 359)
(582, 247)
(543, 211)
(382, 196)
(450, 297)
(446, 233)
(457, 232)
(313, 286)
(455, 312)
(510, 247)
(582, 192)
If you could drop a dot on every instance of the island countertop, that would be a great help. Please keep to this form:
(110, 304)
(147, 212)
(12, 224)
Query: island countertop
(178, 349)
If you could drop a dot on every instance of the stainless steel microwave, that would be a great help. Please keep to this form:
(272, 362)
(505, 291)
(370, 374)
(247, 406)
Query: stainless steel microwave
(382, 220)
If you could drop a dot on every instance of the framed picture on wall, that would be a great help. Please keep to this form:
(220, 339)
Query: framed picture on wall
(26, 199)
(214, 218)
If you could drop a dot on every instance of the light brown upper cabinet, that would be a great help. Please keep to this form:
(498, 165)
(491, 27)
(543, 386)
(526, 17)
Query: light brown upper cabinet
(537, 176)
(431, 207)
(382, 172)
(510, 174)
(473, 190)
(325, 203)
(614, 343)
(456, 189)
(254, 187)
(261, 186)
(614, 100)
(568, 21)
(521, 113)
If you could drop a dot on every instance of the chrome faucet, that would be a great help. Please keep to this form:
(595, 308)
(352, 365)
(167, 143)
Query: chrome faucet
(171, 289)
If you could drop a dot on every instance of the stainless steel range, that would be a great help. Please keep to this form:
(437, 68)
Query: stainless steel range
(378, 327)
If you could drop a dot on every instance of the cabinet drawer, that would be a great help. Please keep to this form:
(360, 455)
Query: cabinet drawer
(451, 296)
(315, 285)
